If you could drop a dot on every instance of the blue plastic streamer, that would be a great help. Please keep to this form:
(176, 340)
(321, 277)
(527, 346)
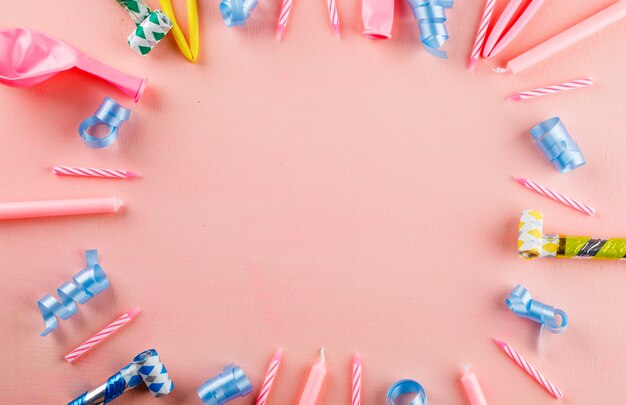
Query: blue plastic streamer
(146, 367)
(520, 302)
(231, 383)
(109, 113)
(431, 18)
(86, 284)
(407, 387)
(236, 12)
(557, 144)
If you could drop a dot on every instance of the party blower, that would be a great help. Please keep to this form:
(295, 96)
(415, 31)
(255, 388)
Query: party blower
(30, 57)
(146, 367)
(532, 243)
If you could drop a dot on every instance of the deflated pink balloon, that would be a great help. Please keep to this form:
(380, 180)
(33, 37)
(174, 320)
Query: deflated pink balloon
(29, 57)
(377, 16)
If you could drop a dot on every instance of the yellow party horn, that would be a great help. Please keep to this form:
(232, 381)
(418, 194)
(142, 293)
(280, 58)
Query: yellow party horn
(532, 243)
(190, 51)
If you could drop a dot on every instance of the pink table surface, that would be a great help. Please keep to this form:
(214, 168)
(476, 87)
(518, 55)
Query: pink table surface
(345, 193)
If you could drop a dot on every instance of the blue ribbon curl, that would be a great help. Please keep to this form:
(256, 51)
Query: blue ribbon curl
(231, 383)
(431, 18)
(520, 302)
(236, 12)
(109, 113)
(404, 387)
(556, 143)
(86, 284)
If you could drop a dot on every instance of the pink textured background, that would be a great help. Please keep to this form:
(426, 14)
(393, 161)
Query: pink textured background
(345, 193)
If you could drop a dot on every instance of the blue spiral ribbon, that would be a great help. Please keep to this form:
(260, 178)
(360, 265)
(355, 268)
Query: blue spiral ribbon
(431, 18)
(231, 383)
(236, 12)
(86, 284)
(557, 144)
(404, 387)
(109, 113)
(520, 302)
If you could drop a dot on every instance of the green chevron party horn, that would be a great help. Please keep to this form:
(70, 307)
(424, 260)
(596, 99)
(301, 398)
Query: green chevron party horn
(152, 26)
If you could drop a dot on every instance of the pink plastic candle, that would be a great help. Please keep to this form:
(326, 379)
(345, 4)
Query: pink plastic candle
(566, 38)
(356, 380)
(517, 27)
(93, 172)
(552, 89)
(472, 388)
(53, 208)
(283, 18)
(556, 196)
(529, 369)
(500, 36)
(334, 16)
(482, 33)
(270, 375)
(314, 382)
(103, 334)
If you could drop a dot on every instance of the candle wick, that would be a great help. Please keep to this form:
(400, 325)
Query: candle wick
(322, 356)
(499, 70)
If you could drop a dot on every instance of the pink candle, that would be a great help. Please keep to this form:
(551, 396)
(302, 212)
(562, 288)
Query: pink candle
(529, 369)
(93, 172)
(552, 89)
(356, 380)
(52, 208)
(516, 28)
(314, 382)
(472, 388)
(568, 37)
(334, 16)
(482, 33)
(556, 196)
(270, 375)
(103, 334)
(283, 18)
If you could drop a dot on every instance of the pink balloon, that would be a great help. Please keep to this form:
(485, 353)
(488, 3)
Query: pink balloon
(377, 16)
(30, 57)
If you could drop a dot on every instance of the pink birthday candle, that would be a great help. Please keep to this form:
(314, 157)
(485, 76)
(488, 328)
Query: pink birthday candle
(517, 27)
(103, 334)
(334, 16)
(282, 20)
(530, 370)
(502, 35)
(570, 36)
(356, 380)
(482, 33)
(270, 375)
(314, 382)
(53, 208)
(552, 89)
(93, 172)
(556, 196)
(472, 388)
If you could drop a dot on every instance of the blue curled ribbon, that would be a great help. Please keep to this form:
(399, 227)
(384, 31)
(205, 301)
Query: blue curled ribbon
(521, 304)
(431, 18)
(231, 383)
(109, 113)
(557, 144)
(404, 387)
(87, 283)
(236, 12)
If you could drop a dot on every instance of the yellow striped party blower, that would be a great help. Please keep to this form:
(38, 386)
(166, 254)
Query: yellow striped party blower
(532, 243)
